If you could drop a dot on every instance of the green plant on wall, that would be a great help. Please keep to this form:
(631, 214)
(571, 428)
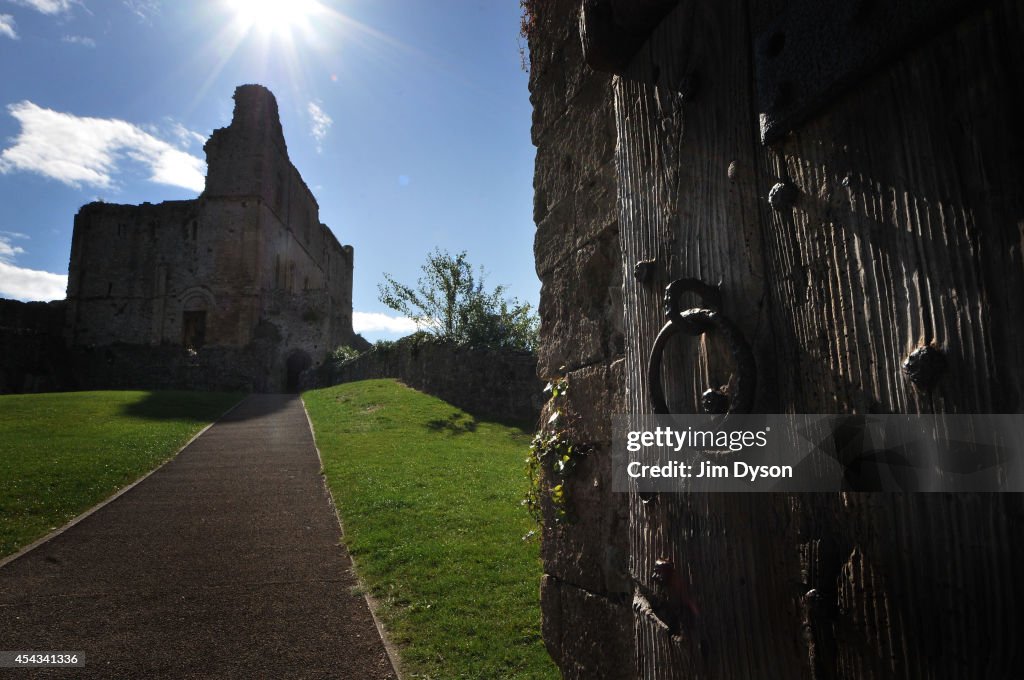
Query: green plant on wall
(330, 370)
(554, 454)
(344, 353)
(527, 26)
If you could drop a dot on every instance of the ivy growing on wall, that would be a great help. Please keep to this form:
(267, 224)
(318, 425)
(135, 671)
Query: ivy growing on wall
(554, 454)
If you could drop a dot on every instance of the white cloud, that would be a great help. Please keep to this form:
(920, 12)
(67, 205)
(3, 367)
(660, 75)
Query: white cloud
(88, 151)
(26, 284)
(7, 26)
(321, 123)
(144, 9)
(7, 250)
(46, 6)
(185, 136)
(372, 322)
(79, 40)
(18, 283)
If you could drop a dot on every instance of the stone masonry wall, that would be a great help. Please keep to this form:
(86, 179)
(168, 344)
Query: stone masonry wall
(135, 367)
(578, 261)
(485, 382)
(32, 353)
(248, 162)
(271, 283)
(134, 268)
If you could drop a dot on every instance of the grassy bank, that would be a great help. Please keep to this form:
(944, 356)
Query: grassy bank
(62, 453)
(430, 501)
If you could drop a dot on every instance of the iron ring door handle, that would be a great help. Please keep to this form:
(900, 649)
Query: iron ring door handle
(694, 322)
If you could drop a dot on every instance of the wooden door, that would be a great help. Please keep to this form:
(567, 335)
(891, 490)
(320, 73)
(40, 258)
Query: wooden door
(889, 219)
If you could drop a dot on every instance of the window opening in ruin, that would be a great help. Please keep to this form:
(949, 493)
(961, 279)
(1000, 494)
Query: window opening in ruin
(193, 330)
(277, 271)
(110, 289)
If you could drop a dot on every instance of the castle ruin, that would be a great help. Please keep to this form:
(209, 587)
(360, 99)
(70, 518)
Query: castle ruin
(240, 288)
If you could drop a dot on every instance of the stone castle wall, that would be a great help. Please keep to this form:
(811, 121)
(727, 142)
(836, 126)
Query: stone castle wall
(32, 353)
(246, 270)
(134, 268)
(586, 597)
(249, 165)
(490, 383)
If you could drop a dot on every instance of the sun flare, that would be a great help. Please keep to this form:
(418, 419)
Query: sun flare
(280, 17)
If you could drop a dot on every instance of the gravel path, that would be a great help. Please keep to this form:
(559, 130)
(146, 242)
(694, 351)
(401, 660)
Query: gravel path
(224, 563)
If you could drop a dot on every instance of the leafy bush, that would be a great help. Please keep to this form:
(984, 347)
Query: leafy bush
(451, 303)
(343, 353)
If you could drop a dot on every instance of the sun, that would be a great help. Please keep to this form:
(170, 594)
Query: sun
(278, 17)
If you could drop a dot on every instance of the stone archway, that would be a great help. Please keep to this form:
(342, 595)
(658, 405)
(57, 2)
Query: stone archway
(196, 305)
(297, 362)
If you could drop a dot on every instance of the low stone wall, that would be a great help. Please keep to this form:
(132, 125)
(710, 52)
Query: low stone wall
(141, 367)
(32, 353)
(496, 384)
(34, 357)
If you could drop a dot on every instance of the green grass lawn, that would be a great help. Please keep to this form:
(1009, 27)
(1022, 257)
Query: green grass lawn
(430, 502)
(62, 453)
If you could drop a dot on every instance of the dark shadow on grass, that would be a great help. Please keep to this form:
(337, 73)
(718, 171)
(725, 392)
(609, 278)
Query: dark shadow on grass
(456, 423)
(190, 406)
(526, 426)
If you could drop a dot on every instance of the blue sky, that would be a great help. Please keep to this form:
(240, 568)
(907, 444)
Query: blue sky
(409, 120)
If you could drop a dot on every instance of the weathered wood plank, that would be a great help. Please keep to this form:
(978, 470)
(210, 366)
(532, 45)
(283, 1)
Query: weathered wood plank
(688, 200)
(905, 233)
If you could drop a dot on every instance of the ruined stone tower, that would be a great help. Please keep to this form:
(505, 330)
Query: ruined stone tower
(242, 287)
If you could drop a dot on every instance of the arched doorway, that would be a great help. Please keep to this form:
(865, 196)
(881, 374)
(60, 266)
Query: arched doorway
(297, 362)
(195, 319)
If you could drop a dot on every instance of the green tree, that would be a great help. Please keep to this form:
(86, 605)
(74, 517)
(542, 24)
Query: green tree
(451, 302)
